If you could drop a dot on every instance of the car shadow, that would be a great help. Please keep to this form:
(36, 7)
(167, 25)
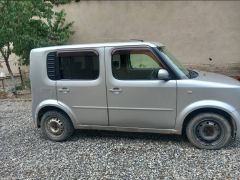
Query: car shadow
(78, 134)
(140, 136)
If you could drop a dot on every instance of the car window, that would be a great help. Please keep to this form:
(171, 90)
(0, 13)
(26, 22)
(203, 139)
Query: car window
(79, 66)
(135, 64)
(142, 61)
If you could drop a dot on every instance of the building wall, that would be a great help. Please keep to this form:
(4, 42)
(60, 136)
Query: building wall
(193, 30)
(14, 64)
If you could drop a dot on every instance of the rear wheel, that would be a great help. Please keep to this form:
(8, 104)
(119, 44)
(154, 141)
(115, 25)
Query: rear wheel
(209, 131)
(56, 126)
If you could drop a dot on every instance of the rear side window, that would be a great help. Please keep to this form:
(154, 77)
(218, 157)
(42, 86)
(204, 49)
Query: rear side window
(77, 65)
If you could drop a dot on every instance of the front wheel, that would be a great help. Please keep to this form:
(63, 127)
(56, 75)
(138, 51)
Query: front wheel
(209, 131)
(56, 126)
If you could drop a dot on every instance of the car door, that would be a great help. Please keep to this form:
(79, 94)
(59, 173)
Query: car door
(136, 98)
(81, 85)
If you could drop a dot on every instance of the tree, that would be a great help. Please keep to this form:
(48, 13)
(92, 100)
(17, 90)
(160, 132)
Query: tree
(25, 25)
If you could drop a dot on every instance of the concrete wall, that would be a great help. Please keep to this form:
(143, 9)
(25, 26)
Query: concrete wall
(14, 63)
(193, 30)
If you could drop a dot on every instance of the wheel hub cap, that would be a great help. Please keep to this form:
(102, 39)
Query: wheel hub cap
(208, 131)
(55, 126)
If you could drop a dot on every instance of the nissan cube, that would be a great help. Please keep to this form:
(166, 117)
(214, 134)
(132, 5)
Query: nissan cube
(130, 86)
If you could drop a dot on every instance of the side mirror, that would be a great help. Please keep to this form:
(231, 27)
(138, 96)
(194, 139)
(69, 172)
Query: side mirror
(163, 74)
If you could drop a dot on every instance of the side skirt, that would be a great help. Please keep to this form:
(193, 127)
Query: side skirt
(129, 129)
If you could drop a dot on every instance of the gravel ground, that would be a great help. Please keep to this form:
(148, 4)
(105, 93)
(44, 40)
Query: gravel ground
(25, 154)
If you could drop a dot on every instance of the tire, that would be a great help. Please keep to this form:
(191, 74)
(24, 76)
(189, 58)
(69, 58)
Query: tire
(56, 126)
(209, 131)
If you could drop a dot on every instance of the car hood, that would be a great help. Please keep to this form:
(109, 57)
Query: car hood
(216, 78)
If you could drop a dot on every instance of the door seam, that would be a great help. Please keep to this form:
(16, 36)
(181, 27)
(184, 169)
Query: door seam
(105, 73)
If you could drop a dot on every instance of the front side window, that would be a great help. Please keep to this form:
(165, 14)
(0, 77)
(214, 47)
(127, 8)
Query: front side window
(79, 66)
(135, 64)
(142, 61)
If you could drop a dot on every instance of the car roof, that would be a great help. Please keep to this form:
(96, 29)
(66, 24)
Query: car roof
(96, 45)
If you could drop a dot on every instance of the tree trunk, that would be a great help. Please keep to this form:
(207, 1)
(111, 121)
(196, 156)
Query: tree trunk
(9, 68)
(12, 76)
(6, 55)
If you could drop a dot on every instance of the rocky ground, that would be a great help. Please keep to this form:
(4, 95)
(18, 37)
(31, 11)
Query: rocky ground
(25, 154)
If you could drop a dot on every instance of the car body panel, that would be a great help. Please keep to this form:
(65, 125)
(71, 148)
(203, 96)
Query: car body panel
(216, 78)
(236, 116)
(42, 87)
(142, 103)
(86, 98)
(154, 105)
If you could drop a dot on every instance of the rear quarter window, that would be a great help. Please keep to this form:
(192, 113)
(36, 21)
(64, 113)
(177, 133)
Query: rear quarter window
(75, 66)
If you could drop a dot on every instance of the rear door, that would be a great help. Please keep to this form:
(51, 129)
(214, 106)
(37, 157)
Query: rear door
(81, 85)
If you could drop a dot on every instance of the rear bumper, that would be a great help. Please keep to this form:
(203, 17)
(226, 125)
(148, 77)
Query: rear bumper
(34, 119)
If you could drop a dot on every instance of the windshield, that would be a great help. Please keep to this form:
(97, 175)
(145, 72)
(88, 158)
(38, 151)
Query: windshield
(174, 62)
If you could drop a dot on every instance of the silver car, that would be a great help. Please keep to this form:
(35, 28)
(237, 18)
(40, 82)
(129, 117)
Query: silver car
(130, 86)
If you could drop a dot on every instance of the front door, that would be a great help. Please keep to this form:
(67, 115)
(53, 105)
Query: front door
(81, 85)
(136, 98)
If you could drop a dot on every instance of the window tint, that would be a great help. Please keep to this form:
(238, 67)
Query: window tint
(142, 61)
(82, 66)
(135, 65)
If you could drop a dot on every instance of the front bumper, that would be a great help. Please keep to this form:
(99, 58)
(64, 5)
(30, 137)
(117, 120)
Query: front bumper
(236, 116)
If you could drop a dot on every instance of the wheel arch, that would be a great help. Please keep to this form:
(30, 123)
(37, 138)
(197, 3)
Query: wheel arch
(51, 105)
(222, 112)
(185, 114)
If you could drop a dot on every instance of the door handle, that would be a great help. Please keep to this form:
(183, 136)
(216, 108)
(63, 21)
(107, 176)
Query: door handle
(115, 90)
(63, 90)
